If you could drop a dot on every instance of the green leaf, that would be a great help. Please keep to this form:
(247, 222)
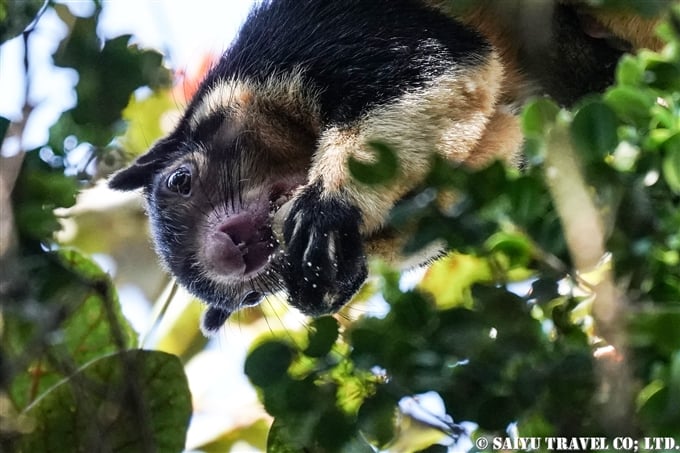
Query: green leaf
(334, 430)
(323, 336)
(4, 126)
(90, 324)
(629, 71)
(631, 104)
(450, 278)
(593, 130)
(377, 418)
(664, 75)
(16, 15)
(301, 395)
(369, 344)
(382, 171)
(657, 329)
(278, 440)
(334, 433)
(129, 401)
(108, 76)
(514, 247)
(660, 401)
(268, 363)
(39, 190)
(538, 116)
(144, 119)
(527, 195)
(671, 162)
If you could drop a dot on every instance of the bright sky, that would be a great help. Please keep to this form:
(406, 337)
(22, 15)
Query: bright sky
(183, 30)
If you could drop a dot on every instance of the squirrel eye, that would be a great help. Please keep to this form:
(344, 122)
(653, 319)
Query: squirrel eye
(179, 181)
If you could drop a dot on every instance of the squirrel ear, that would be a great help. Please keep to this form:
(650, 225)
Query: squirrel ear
(142, 170)
(213, 318)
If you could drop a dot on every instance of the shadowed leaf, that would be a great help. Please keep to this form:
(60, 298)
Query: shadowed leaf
(128, 401)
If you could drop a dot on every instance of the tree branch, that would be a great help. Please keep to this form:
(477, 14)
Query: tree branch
(586, 237)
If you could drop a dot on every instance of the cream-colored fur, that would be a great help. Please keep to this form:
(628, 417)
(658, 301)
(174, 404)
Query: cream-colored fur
(639, 31)
(450, 116)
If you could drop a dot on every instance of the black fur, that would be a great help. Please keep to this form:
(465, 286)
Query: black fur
(214, 318)
(142, 172)
(325, 263)
(355, 53)
(571, 64)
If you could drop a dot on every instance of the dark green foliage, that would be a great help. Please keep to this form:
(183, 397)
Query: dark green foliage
(16, 15)
(4, 125)
(40, 188)
(109, 73)
(77, 301)
(383, 170)
(324, 337)
(128, 401)
(593, 131)
(71, 376)
(268, 363)
(376, 417)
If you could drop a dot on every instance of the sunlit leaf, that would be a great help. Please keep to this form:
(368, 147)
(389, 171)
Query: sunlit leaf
(629, 71)
(147, 120)
(449, 279)
(512, 253)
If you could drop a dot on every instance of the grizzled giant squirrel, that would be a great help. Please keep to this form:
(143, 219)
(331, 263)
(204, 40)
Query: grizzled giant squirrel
(250, 194)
